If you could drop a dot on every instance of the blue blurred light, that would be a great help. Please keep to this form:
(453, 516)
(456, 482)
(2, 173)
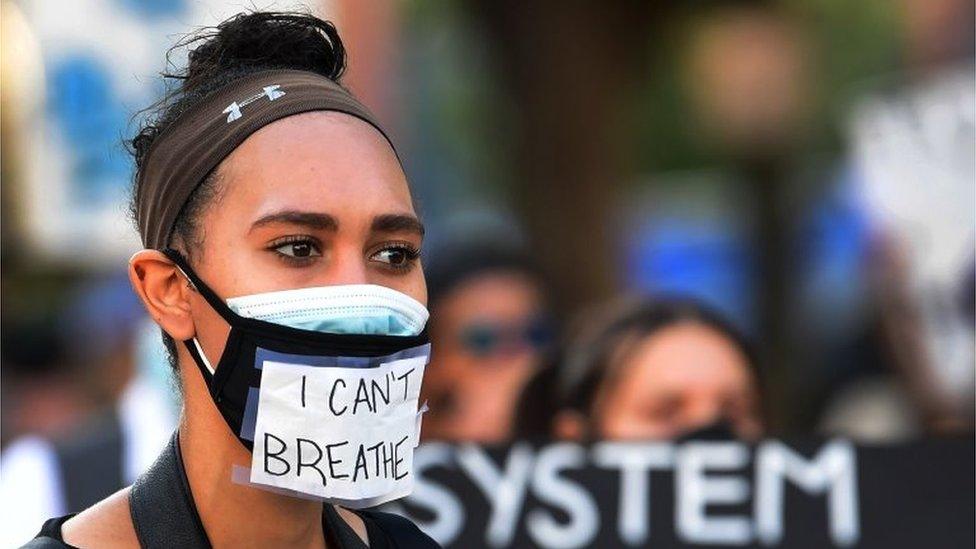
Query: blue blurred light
(83, 103)
(701, 259)
(155, 8)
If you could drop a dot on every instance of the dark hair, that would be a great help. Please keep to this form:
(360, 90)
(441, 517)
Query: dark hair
(576, 380)
(582, 382)
(244, 44)
(463, 258)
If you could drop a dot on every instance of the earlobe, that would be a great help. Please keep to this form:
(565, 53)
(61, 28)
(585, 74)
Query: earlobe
(164, 292)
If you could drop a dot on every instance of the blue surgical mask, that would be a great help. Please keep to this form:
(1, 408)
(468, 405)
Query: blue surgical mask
(348, 309)
(292, 357)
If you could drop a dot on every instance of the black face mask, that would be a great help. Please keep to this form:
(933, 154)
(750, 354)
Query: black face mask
(236, 379)
(715, 431)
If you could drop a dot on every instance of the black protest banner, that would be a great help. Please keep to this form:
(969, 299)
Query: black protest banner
(699, 493)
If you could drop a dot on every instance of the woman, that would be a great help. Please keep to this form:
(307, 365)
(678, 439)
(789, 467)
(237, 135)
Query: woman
(661, 369)
(281, 254)
(490, 330)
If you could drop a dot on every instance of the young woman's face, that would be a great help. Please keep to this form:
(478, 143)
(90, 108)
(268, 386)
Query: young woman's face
(315, 199)
(675, 381)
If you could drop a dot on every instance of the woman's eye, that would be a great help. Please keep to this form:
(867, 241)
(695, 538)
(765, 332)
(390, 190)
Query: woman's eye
(300, 249)
(396, 257)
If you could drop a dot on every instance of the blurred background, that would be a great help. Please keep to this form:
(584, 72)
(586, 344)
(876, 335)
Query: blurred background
(646, 220)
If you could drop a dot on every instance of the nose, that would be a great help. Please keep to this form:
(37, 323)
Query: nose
(706, 411)
(347, 266)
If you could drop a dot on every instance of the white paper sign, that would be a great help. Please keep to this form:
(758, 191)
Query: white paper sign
(343, 434)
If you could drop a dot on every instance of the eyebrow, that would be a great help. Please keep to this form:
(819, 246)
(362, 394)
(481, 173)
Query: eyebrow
(312, 220)
(386, 223)
(395, 223)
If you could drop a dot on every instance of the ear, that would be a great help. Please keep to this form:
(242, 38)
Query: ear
(164, 291)
(569, 425)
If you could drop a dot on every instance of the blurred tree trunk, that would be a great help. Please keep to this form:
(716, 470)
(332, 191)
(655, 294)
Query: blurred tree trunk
(571, 69)
(768, 178)
(369, 32)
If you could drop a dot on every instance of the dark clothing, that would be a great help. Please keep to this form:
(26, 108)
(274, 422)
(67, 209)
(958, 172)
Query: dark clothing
(91, 461)
(50, 535)
(164, 515)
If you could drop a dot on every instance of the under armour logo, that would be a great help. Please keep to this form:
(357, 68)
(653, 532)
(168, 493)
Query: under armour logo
(233, 110)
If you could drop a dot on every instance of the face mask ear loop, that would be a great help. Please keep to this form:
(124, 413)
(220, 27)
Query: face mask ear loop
(189, 282)
(212, 298)
(193, 344)
(206, 369)
(203, 356)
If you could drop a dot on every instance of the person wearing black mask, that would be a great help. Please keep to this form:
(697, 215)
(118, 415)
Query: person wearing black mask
(282, 263)
(665, 369)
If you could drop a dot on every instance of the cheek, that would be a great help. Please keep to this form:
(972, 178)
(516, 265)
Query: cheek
(444, 358)
(410, 283)
(503, 377)
(420, 286)
(416, 286)
(231, 267)
(624, 415)
(628, 424)
(445, 348)
(210, 329)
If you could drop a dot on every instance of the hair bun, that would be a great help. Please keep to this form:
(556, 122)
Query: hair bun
(264, 40)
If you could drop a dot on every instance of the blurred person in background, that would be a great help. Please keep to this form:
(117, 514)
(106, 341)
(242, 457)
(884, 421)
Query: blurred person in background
(717, 216)
(489, 330)
(657, 369)
(41, 392)
(102, 446)
(912, 167)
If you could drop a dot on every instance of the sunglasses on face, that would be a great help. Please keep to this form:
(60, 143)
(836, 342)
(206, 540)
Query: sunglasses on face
(485, 338)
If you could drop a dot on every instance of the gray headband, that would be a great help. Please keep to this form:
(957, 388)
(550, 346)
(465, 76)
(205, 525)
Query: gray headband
(204, 135)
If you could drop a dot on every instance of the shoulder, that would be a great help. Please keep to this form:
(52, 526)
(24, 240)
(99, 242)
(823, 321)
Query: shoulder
(401, 532)
(108, 524)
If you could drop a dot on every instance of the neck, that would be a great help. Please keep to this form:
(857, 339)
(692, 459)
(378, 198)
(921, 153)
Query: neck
(235, 514)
